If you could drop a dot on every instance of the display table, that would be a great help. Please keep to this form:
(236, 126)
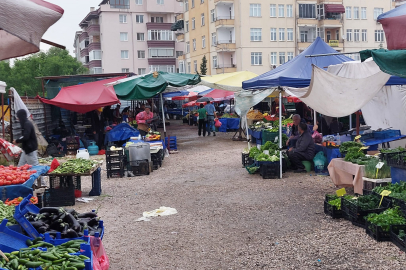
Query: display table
(330, 153)
(228, 124)
(257, 135)
(347, 174)
(372, 142)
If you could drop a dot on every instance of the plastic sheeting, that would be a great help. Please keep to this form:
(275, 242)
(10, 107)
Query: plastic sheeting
(18, 103)
(391, 62)
(228, 81)
(394, 25)
(122, 132)
(219, 95)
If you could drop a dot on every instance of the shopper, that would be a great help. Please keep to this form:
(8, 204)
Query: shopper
(304, 149)
(98, 127)
(275, 108)
(117, 115)
(211, 115)
(202, 120)
(28, 140)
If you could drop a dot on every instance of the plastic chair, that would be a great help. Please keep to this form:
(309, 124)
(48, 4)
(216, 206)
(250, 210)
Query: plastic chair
(308, 165)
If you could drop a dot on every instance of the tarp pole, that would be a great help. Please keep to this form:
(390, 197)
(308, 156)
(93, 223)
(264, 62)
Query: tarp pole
(280, 132)
(163, 115)
(315, 117)
(246, 128)
(350, 121)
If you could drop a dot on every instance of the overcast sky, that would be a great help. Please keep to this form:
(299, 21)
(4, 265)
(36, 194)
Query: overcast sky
(63, 31)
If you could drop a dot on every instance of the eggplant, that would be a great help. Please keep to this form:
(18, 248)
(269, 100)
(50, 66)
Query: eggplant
(93, 222)
(71, 234)
(55, 225)
(42, 229)
(54, 210)
(88, 215)
(65, 229)
(72, 212)
(37, 224)
(72, 222)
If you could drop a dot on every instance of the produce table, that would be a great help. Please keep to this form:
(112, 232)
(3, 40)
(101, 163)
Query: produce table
(371, 142)
(229, 124)
(142, 141)
(22, 190)
(257, 135)
(346, 174)
(330, 153)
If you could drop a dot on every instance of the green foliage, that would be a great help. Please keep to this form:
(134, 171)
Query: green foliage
(54, 62)
(346, 145)
(370, 170)
(402, 234)
(353, 154)
(394, 188)
(396, 150)
(392, 216)
(254, 151)
(367, 202)
(203, 66)
(269, 146)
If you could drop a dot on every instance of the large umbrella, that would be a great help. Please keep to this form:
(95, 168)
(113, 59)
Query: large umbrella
(22, 25)
(228, 81)
(204, 99)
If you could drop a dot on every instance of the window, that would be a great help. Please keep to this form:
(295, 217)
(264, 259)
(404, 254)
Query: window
(214, 61)
(141, 54)
(97, 70)
(160, 35)
(186, 5)
(255, 10)
(140, 37)
(139, 18)
(273, 34)
(256, 58)
(123, 18)
(188, 47)
(290, 34)
(123, 36)
(212, 16)
(125, 70)
(123, 4)
(203, 42)
(181, 67)
(289, 11)
(273, 10)
(213, 39)
(273, 58)
(256, 34)
(281, 34)
(159, 2)
(356, 34)
(193, 3)
(377, 12)
(160, 53)
(188, 67)
(124, 54)
(195, 65)
(179, 53)
(95, 55)
(281, 9)
(201, 1)
(356, 13)
(290, 56)
(379, 35)
(282, 58)
(307, 11)
(349, 34)
(138, 2)
(187, 26)
(193, 24)
(157, 19)
(348, 12)
(364, 35)
(194, 44)
(202, 19)
(142, 71)
(364, 13)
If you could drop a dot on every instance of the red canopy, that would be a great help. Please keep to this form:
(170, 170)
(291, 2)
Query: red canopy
(334, 8)
(85, 97)
(191, 96)
(219, 95)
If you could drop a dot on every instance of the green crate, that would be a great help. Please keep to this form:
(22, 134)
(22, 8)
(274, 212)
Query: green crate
(269, 136)
(250, 166)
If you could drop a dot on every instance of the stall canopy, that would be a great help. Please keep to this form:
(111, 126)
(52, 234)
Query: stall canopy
(150, 85)
(394, 25)
(189, 96)
(228, 81)
(170, 95)
(199, 89)
(391, 62)
(220, 95)
(85, 97)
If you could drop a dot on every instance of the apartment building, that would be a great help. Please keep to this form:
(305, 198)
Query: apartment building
(129, 36)
(259, 35)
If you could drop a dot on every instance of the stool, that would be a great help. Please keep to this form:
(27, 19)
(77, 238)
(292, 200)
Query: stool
(308, 165)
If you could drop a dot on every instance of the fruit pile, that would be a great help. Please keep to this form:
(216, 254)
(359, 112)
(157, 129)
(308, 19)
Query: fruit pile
(12, 175)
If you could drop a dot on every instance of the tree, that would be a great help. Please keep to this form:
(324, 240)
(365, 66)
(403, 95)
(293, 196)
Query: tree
(203, 66)
(54, 62)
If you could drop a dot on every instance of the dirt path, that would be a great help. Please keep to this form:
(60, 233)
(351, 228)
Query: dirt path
(228, 219)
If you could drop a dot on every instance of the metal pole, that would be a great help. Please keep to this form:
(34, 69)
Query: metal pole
(163, 116)
(280, 132)
(350, 121)
(246, 128)
(45, 109)
(2, 113)
(315, 117)
(329, 54)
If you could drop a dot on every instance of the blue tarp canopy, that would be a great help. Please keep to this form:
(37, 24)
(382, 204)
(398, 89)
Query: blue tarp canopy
(175, 94)
(298, 71)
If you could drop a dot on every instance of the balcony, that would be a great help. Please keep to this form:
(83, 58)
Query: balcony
(181, 57)
(307, 21)
(179, 17)
(180, 38)
(94, 46)
(162, 61)
(225, 1)
(336, 44)
(158, 26)
(161, 44)
(93, 29)
(84, 52)
(225, 69)
(83, 36)
(95, 63)
(224, 21)
(225, 45)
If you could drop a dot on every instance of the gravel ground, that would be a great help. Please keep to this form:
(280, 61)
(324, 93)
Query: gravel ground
(228, 219)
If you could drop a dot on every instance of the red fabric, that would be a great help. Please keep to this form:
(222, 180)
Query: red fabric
(48, 5)
(85, 97)
(218, 95)
(190, 97)
(395, 32)
(143, 116)
(334, 8)
(293, 100)
(55, 164)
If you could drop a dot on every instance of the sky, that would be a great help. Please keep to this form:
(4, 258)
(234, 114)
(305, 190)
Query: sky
(63, 31)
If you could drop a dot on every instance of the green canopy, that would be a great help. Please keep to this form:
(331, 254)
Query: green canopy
(392, 62)
(148, 86)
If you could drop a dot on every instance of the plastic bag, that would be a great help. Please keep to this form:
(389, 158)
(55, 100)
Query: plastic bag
(320, 160)
(100, 259)
(55, 164)
(317, 138)
(217, 123)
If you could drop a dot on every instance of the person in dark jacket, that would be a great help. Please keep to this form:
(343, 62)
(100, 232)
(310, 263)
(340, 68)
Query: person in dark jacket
(28, 140)
(98, 127)
(304, 149)
(108, 115)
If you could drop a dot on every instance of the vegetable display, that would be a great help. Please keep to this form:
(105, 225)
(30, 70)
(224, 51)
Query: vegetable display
(371, 172)
(265, 157)
(398, 190)
(17, 201)
(12, 175)
(345, 146)
(367, 202)
(65, 221)
(7, 211)
(229, 115)
(392, 216)
(75, 166)
(253, 170)
(269, 146)
(254, 151)
(353, 154)
(53, 258)
(255, 115)
(335, 201)
(396, 150)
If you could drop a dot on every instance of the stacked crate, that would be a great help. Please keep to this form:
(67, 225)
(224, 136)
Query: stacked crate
(115, 163)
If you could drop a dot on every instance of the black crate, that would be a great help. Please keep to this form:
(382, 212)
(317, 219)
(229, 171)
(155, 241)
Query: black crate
(394, 232)
(270, 170)
(396, 160)
(115, 159)
(156, 159)
(114, 153)
(143, 168)
(392, 156)
(369, 185)
(59, 197)
(376, 232)
(354, 221)
(115, 173)
(331, 210)
(115, 166)
(57, 182)
(245, 159)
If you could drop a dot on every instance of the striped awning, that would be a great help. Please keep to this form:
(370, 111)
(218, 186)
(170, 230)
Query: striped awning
(334, 8)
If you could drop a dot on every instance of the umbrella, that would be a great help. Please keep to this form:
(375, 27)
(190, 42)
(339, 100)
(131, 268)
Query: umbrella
(204, 99)
(22, 25)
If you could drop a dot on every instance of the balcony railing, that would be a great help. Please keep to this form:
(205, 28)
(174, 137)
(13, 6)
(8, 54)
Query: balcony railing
(226, 66)
(307, 40)
(230, 41)
(218, 18)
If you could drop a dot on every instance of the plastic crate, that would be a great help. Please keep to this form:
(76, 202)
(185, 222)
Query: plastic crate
(115, 166)
(115, 173)
(23, 208)
(331, 210)
(96, 183)
(269, 170)
(143, 168)
(251, 166)
(172, 143)
(376, 232)
(59, 197)
(385, 134)
(114, 153)
(384, 156)
(364, 137)
(370, 184)
(11, 240)
(397, 174)
(269, 136)
(57, 182)
(394, 232)
(245, 159)
(396, 160)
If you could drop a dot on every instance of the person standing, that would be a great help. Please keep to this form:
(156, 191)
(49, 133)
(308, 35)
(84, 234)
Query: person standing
(117, 115)
(275, 108)
(202, 120)
(98, 127)
(144, 119)
(211, 115)
(28, 140)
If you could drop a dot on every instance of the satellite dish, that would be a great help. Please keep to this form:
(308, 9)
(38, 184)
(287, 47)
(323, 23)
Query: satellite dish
(343, 37)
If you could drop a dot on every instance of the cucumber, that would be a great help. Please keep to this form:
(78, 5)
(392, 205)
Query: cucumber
(33, 264)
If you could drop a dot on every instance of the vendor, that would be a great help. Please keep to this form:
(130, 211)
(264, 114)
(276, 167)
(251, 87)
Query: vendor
(98, 127)
(143, 119)
(294, 135)
(303, 150)
(117, 115)
(275, 107)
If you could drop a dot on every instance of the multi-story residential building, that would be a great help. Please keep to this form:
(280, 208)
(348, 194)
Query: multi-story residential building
(129, 36)
(259, 35)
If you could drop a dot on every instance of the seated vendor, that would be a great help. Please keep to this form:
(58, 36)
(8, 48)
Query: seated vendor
(304, 149)
(142, 118)
(294, 135)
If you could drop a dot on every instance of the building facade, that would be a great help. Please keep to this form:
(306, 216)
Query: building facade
(259, 35)
(130, 36)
